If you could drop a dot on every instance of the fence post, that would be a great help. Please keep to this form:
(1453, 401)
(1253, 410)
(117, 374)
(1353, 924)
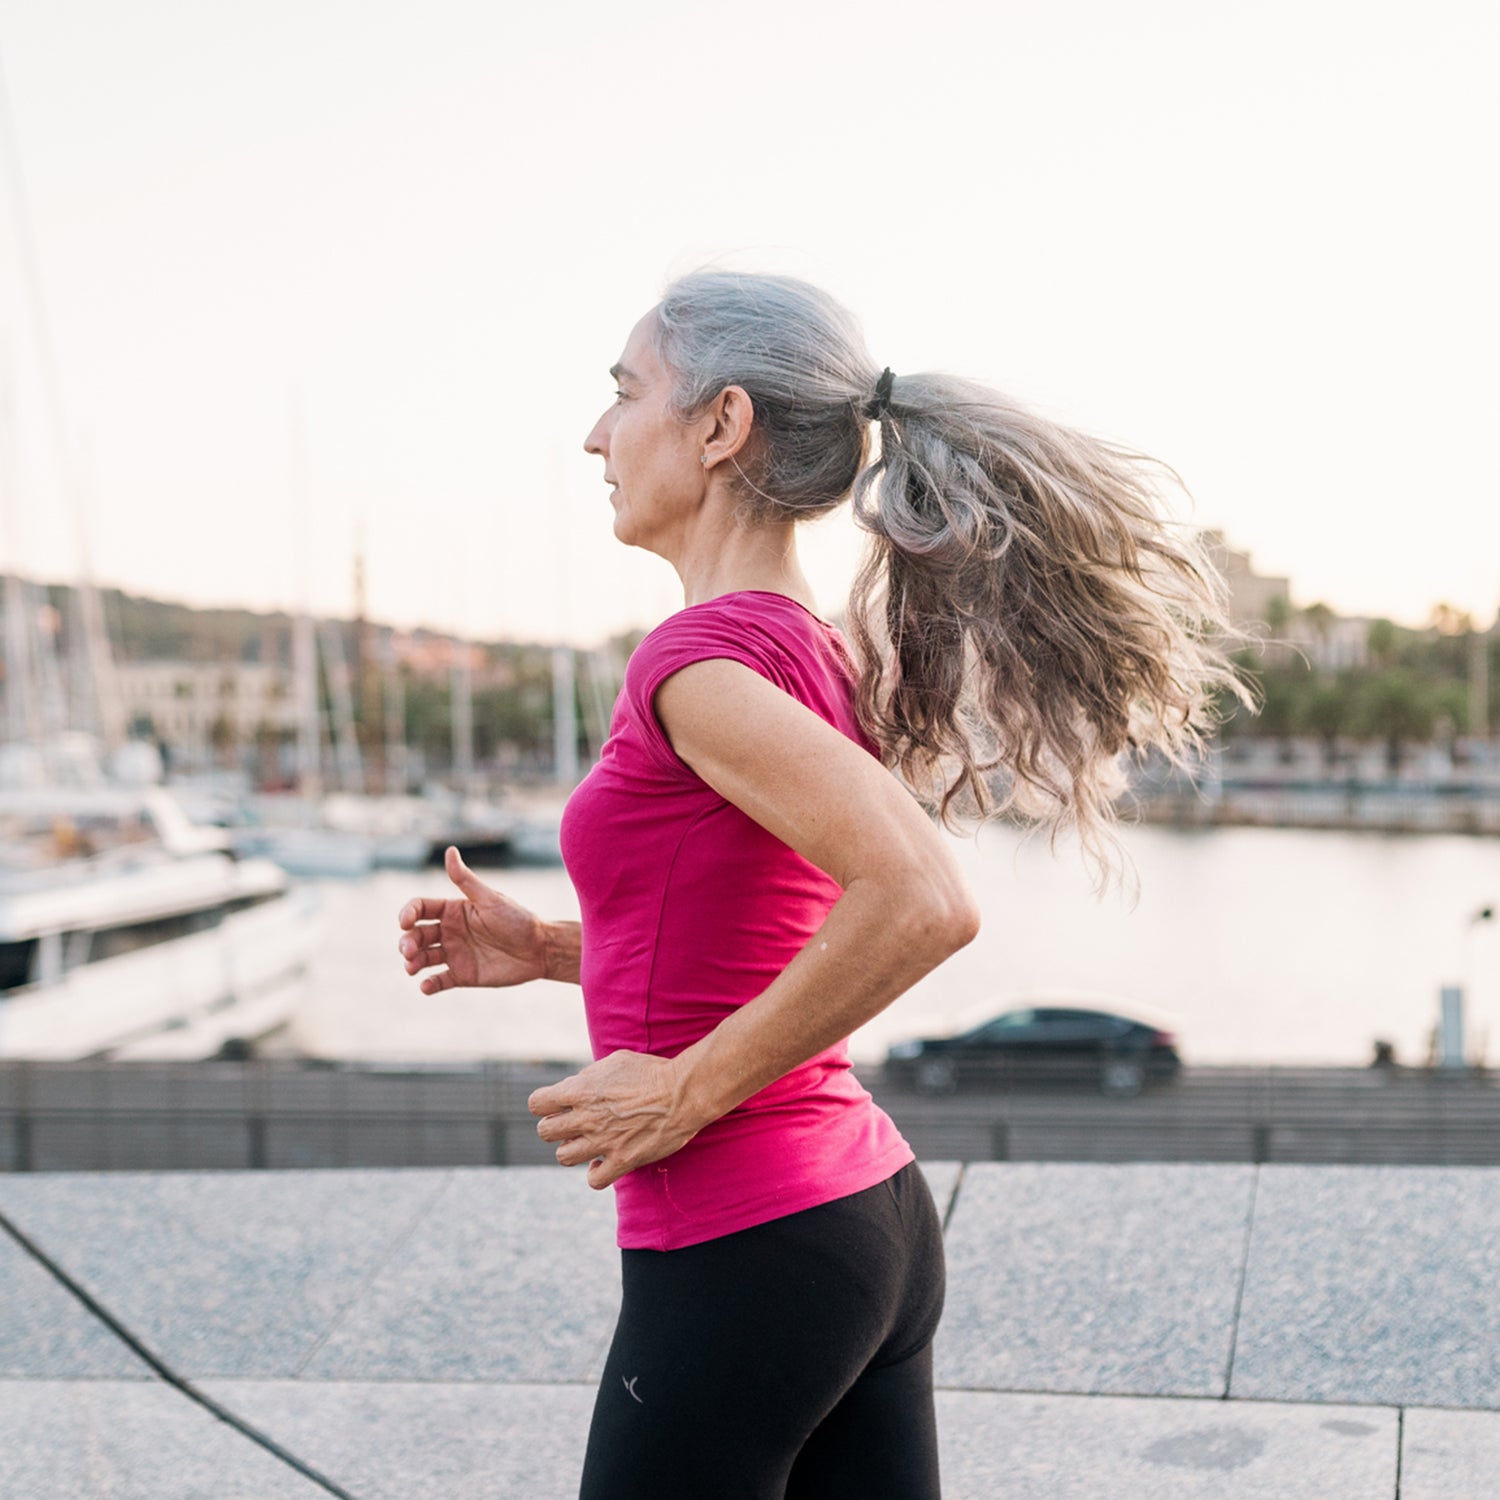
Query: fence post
(253, 1074)
(23, 1119)
(1451, 1028)
(499, 1151)
(255, 1125)
(1000, 1140)
(1260, 1144)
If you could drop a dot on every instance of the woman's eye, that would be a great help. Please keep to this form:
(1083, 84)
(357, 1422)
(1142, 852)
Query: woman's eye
(619, 395)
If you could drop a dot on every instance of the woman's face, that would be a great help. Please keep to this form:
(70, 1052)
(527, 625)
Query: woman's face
(651, 457)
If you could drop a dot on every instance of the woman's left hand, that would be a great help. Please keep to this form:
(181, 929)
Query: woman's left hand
(619, 1113)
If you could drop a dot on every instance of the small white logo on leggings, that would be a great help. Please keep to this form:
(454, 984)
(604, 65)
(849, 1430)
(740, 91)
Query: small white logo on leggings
(630, 1386)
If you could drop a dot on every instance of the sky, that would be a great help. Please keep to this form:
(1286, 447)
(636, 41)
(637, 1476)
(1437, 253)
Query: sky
(323, 274)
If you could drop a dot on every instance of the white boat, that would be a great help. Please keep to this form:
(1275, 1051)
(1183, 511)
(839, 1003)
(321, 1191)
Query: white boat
(137, 950)
(401, 829)
(309, 852)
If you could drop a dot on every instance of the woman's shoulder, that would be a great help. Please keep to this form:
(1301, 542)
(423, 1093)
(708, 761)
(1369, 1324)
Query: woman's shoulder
(745, 613)
(771, 633)
(716, 627)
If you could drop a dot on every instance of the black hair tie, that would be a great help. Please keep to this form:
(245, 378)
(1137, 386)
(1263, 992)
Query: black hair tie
(878, 407)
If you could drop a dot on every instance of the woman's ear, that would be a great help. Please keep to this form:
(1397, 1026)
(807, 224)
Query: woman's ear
(729, 420)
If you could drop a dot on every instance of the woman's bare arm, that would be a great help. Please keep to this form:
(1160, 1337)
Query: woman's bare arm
(905, 907)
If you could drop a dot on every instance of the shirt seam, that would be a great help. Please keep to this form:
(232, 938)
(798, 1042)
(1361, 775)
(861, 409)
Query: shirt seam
(722, 600)
(661, 912)
(740, 652)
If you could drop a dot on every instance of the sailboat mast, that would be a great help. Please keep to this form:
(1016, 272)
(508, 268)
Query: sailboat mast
(304, 642)
(393, 697)
(564, 716)
(305, 677)
(564, 668)
(461, 685)
(346, 741)
(96, 643)
(1479, 683)
(104, 689)
(21, 725)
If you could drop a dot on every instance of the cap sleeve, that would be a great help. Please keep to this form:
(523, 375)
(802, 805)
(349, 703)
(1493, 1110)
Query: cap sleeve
(699, 633)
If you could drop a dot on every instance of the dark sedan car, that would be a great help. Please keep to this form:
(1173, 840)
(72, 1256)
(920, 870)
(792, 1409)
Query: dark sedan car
(1040, 1044)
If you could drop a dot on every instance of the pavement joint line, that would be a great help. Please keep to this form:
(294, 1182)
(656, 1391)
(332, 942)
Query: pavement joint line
(975, 1390)
(958, 1183)
(445, 1182)
(165, 1371)
(1194, 1396)
(1365, 1405)
(1400, 1445)
(1239, 1291)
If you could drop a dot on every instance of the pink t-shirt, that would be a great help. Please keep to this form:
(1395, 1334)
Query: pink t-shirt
(690, 909)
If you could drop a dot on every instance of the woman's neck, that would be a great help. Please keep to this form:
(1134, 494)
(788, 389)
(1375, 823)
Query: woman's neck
(737, 557)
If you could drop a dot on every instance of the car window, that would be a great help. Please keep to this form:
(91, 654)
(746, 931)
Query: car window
(1012, 1020)
(1099, 1022)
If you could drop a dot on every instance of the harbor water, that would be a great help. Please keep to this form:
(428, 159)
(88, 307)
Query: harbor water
(1254, 945)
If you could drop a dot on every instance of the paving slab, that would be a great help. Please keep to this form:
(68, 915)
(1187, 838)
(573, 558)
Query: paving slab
(394, 1440)
(222, 1273)
(1094, 1279)
(512, 1275)
(1026, 1447)
(403, 1440)
(1377, 1284)
(130, 1440)
(1450, 1455)
(46, 1330)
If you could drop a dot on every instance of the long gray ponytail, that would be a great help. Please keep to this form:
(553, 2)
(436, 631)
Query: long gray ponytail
(1026, 615)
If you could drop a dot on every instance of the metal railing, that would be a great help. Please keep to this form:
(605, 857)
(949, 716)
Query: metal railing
(278, 1113)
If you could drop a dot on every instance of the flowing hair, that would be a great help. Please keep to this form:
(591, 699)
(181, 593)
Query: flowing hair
(1027, 615)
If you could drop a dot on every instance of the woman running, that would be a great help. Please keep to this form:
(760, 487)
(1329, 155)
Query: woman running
(755, 883)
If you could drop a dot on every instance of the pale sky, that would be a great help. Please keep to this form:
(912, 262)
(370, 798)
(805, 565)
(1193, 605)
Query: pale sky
(1257, 241)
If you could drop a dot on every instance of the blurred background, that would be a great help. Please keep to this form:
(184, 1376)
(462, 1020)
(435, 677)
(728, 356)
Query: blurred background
(306, 308)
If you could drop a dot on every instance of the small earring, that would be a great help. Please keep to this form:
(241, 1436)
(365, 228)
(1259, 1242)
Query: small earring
(703, 459)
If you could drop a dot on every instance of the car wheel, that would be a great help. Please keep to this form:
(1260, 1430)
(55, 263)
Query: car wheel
(934, 1075)
(1121, 1077)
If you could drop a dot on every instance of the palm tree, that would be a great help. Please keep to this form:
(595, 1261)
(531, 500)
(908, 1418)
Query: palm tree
(1448, 619)
(1319, 620)
(1398, 710)
(1381, 642)
(1278, 613)
(1328, 712)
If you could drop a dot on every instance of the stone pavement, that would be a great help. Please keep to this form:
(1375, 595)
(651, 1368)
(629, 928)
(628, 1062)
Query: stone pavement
(1173, 1331)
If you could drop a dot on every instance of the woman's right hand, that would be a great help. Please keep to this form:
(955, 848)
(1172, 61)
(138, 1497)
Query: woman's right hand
(483, 939)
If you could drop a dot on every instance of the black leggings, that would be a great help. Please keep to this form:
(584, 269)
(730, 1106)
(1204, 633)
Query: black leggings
(790, 1361)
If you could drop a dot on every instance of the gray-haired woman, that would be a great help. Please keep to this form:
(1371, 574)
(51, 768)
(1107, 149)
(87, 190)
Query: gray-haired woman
(755, 883)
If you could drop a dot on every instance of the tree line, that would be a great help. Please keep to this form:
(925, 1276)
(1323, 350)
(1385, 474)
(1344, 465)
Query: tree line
(511, 698)
(1415, 687)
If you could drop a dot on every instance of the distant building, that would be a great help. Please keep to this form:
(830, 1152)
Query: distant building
(428, 655)
(1257, 602)
(1334, 644)
(191, 705)
(1262, 604)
